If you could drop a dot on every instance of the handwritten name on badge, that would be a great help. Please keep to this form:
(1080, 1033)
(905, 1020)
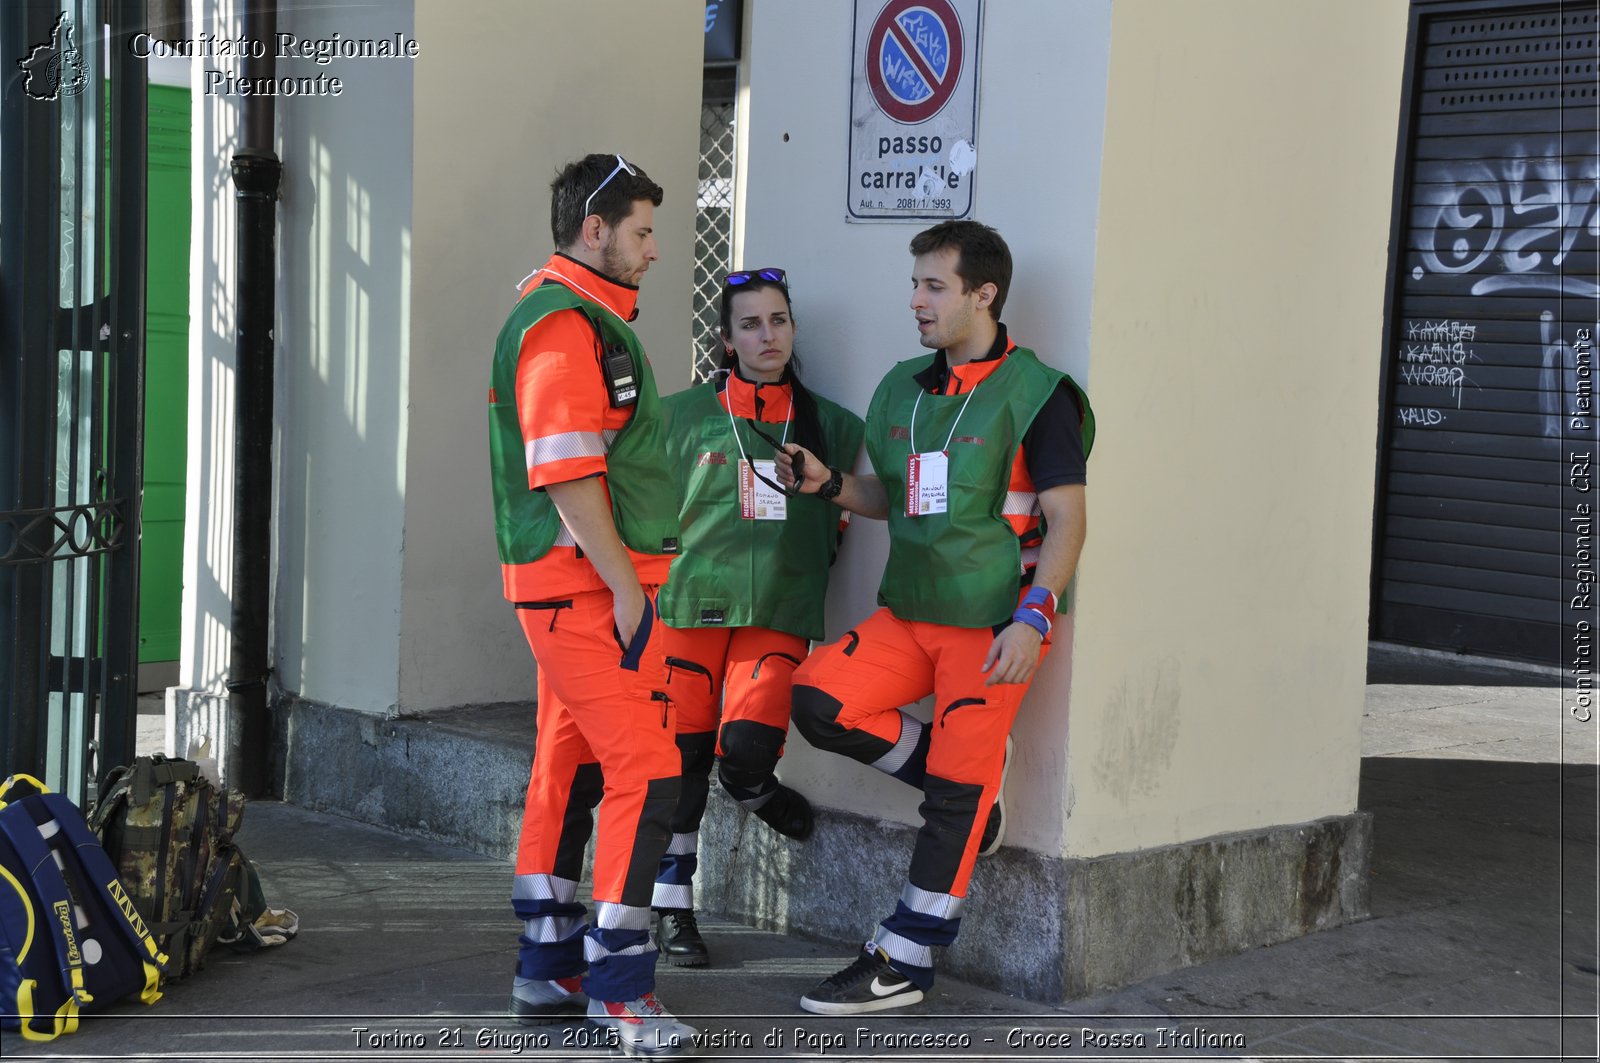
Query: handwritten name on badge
(759, 500)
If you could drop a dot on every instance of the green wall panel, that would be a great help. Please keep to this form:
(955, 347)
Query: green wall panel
(166, 376)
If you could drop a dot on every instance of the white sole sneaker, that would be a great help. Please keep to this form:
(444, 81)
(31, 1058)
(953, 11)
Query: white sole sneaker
(999, 808)
(902, 999)
(867, 984)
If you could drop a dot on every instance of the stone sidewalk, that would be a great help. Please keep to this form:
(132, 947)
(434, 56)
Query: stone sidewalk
(1481, 943)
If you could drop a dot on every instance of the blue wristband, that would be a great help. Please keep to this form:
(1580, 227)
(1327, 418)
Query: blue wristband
(1040, 596)
(1033, 620)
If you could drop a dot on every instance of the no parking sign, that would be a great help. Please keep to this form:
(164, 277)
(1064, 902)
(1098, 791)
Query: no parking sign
(913, 109)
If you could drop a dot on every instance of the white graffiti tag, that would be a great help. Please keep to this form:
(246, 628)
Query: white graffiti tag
(1525, 212)
(1433, 356)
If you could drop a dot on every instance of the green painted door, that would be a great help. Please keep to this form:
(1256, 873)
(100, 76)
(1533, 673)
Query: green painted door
(166, 376)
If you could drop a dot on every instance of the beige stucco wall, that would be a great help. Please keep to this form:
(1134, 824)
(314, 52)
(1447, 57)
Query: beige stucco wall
(505, 94)
(1238, 299)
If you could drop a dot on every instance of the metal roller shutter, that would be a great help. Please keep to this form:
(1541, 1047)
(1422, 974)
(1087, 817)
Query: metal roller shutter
(1492, 317)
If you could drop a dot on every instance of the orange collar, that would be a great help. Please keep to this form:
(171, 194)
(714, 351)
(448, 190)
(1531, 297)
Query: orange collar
(621, 299)
(942, 378)
(963, 378)
(761, 402)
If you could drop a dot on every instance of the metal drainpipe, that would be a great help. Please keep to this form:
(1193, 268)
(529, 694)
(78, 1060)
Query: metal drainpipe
(256, 171)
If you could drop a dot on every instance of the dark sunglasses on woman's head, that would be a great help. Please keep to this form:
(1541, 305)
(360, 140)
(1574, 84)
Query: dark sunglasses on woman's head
(766, 273)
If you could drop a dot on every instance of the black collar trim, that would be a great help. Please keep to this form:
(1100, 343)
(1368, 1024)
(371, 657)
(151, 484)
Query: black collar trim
(603, 276)
(936, 377)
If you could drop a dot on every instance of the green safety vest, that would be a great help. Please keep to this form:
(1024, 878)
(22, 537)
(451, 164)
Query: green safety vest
(736, 572)
(960, 567)
(644, 488)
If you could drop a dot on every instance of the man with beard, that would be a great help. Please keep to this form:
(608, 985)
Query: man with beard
(586, 520)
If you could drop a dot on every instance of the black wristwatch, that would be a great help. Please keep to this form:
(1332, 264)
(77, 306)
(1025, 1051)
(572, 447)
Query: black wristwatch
(830, 490)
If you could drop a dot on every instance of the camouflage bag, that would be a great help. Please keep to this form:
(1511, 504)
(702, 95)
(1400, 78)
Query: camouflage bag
(169, 832)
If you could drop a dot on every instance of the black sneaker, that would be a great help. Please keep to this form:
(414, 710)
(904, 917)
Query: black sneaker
(678, 938)
(788, 813)
(994, 829)
(868, 984)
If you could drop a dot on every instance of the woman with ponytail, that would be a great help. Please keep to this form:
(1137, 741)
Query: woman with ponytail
(745, 598)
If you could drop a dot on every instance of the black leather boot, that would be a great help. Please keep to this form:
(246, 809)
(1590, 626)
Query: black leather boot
(788, 813)
(678, 938)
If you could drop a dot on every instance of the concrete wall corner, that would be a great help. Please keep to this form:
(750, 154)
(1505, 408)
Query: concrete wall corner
(1045, 928)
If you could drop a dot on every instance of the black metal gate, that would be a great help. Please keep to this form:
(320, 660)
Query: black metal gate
(72, 259)
(1495, 294)
(713, 227)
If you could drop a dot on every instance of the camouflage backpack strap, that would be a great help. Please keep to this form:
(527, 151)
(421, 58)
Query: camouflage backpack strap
(113, 793)
(129, 789)
(135, 784)
(214, 914)
(152, 773)
(223, 882)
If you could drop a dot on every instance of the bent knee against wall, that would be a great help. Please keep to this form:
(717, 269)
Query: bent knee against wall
(816, 715)
(750, 751)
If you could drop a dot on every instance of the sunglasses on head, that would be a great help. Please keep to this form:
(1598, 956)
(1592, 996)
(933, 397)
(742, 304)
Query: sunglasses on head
(622, 164)
(766, 273)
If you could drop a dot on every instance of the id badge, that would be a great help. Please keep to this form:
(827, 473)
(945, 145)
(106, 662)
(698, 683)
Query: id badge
(758, 500)
(927, 483)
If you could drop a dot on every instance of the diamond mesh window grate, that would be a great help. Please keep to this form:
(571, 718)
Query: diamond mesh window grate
(713, 237)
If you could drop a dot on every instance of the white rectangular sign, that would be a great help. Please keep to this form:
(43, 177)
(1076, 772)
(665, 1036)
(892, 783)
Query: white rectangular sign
(913, 109)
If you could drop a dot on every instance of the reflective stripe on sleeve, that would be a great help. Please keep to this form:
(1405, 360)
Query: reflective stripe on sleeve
(564, 446)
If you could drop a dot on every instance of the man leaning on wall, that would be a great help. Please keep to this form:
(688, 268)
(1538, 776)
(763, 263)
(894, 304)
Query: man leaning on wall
(978, 453)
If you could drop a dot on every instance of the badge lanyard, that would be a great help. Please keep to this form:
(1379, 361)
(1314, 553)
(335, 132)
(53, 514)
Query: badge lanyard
(928, 475)
(757, 499)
